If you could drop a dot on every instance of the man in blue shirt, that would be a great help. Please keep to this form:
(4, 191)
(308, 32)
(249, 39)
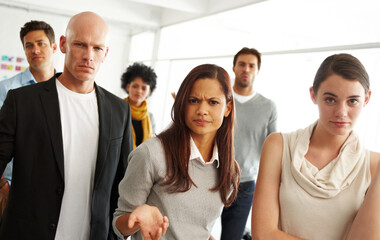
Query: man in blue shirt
(38, 41)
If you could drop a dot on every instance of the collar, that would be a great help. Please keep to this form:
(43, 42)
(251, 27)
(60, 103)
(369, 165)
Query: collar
(27, 77)
(196, 155)
(333, 178)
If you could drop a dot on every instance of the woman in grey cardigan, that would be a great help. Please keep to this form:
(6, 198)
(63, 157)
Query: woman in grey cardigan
(187, 173)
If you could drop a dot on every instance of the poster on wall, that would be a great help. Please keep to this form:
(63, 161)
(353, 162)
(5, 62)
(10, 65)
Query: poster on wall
(11, 65)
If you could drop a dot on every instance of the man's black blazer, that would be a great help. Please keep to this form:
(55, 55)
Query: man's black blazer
(30, 132)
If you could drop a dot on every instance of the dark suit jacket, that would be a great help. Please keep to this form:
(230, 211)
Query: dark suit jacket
(30, 131)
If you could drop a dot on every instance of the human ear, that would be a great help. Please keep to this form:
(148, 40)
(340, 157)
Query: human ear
(62, 44)
(228, 109)
(313, 95)
(54, 45)
(105, 54)
(367, 97)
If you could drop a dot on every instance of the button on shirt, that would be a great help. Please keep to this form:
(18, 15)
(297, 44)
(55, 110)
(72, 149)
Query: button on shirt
(22, 79)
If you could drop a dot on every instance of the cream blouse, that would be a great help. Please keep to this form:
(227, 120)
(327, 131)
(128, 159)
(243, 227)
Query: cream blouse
(321, 204)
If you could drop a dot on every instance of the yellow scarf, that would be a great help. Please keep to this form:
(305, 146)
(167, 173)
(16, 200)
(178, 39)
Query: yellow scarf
(141, 114)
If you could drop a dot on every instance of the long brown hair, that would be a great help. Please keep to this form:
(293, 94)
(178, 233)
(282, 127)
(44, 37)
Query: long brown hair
(176, 139)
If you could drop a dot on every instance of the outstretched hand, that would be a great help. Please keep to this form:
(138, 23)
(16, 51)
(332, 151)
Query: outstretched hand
(150, 221)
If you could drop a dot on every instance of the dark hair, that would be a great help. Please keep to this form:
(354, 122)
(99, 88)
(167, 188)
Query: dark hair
(344, 65)
(35, 26)
(139, 70)
(176, 139)
(252, 51)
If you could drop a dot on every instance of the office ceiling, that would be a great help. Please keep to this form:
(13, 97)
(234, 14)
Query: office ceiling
(135, 15)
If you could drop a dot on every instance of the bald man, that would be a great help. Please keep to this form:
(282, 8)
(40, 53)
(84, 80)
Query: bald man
(70, 140)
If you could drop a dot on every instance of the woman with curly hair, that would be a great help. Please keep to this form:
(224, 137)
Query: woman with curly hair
(139, 81)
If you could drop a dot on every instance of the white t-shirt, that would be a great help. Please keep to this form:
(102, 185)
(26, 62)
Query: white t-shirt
(242, 98)
(80, 133)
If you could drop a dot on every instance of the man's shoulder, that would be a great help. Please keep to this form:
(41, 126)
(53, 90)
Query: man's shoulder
(112, 97)
(262, 97)
(32, 87)
(12, 82)
(259, 106)
(109, 95)
(264, 100)
(258, 100)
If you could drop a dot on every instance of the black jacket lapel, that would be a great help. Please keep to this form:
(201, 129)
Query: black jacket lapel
(50, 104)
(105, 116)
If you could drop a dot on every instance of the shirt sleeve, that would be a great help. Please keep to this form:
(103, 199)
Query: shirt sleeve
(136, 185)
(3, 94)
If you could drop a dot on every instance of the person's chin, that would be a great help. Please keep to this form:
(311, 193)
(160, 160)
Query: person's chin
(85, 76)
(36, 64)
(342, 131)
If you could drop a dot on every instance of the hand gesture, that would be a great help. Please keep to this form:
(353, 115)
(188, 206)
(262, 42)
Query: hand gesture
(150, 221)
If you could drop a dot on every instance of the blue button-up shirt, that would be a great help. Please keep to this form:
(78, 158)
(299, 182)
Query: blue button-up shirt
(22, 79)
